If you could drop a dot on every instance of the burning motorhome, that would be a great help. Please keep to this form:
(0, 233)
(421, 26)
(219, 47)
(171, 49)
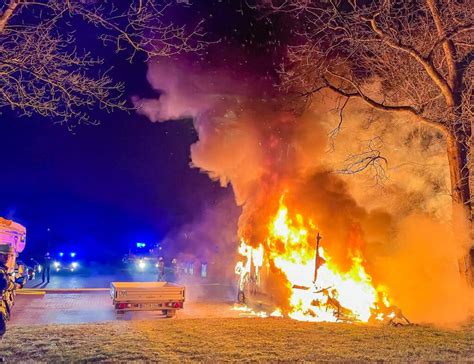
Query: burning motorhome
(316, 288)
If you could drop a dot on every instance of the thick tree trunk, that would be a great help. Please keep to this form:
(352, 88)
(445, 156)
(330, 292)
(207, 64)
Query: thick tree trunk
(7, 13)
(459, 169)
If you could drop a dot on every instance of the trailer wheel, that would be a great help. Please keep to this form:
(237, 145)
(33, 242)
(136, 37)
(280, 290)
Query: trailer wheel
(169, 313)
(119, 314)
(241, 297)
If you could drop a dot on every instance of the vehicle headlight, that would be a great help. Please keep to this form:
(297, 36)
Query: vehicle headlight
(56, 264)
(74, 265)
(141, 264)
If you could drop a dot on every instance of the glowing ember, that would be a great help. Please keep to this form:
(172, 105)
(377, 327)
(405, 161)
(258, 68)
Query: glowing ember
(319, 291)
(276, 313)
(248, 312)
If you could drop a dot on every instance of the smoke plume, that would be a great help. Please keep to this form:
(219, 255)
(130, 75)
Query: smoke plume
(397, 214)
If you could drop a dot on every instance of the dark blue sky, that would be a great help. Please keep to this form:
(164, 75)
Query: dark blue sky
(109, 185)
(127, 179)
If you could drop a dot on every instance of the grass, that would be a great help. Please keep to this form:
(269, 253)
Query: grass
(248, 339)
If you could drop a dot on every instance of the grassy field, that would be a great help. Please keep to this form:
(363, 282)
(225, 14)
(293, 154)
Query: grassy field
(234, 340)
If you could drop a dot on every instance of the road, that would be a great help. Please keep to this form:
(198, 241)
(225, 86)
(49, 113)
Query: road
(58, 302)
(91, 277)
(198, 289)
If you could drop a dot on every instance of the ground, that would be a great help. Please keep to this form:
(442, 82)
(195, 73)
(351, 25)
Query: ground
(96, 306)
(58, 323)
(241, 339)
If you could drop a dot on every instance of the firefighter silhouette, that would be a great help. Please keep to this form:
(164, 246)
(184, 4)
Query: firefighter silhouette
(6, 286)
(161, 269)
(175, 269)
(46, 267)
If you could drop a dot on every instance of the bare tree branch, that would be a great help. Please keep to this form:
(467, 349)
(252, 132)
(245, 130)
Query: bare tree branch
(370, 160)
(448, 45)
(340, 110)
(429, 68)
(413, 57)
(380, 106)
(7, 13)
(42, 70)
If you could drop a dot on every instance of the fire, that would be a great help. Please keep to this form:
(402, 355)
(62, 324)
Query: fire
(319, 290)
(248, 312)
(254, 261)
(276, 313)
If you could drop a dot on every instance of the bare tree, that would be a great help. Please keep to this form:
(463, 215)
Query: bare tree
(406, 56)
(44, 71)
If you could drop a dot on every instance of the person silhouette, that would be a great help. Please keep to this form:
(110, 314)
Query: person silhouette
(161, 269)
(46, 267)
(6, 252)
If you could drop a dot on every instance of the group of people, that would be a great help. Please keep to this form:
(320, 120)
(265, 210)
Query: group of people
(161, 270)
(7, 284)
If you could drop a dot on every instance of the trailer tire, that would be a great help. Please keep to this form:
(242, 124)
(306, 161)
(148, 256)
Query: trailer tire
(169, 313)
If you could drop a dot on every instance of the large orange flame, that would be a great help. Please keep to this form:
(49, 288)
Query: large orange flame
(324, 293)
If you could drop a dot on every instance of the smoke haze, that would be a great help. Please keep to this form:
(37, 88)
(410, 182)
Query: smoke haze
(251, 139)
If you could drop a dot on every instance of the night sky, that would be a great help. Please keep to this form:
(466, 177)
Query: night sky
(122, 181)
(110, 185)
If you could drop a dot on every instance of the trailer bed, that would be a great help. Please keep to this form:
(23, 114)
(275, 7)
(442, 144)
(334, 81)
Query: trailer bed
(147, 296)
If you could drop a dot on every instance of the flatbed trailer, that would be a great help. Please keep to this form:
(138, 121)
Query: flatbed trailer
(147, 296)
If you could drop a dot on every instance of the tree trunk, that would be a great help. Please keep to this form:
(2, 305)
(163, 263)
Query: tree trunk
(459, 169)
(7, 13)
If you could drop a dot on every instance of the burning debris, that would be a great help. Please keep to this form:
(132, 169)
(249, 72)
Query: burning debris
(248, 312)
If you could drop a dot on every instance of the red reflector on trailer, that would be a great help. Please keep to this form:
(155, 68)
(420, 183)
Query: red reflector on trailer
(121, 306)
(178, 305)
